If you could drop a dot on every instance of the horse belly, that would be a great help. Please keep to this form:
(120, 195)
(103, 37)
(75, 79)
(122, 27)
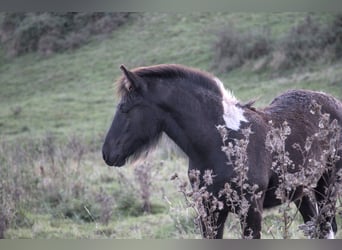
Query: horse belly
(271, 199)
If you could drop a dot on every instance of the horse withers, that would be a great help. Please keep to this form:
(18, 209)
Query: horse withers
(188, 105)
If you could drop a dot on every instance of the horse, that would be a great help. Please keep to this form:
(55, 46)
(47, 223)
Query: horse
(188, 105)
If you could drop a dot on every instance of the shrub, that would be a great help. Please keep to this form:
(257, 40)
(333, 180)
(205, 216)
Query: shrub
(234, 48)
(45, 174)
(306, 42)
(335, 36)
(128, 204)
(50, 32)
(131, 200)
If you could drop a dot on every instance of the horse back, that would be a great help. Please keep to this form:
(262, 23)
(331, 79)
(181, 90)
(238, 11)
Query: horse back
(297, 104)
(297, 108)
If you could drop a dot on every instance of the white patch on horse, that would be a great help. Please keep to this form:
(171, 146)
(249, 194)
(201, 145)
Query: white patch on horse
(232, 114)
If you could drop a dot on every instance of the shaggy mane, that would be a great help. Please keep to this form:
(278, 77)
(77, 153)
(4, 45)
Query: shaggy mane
(195, 76)
(169, 71)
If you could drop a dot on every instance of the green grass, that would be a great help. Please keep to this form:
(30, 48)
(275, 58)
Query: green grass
(74, 94)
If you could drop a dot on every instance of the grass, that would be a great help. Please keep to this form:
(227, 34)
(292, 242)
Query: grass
(72, 94)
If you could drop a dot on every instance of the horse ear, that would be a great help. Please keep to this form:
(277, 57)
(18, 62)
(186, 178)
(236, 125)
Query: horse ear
(132, 82)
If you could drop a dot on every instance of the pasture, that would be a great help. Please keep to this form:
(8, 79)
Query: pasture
(56, 110)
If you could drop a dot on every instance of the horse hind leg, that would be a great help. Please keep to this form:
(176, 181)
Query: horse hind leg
(337, 178)
(326, 197)
(309, 211)
(251, 222)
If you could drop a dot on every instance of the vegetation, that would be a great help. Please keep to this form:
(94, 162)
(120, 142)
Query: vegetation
(309, 40)
(57, 101)
(48, 33)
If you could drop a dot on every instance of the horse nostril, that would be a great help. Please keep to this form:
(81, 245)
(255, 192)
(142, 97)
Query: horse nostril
(103, 156)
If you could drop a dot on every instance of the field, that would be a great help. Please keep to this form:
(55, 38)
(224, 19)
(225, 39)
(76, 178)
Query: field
(55, 111)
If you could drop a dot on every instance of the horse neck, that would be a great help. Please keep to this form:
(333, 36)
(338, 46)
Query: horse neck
(190, 118)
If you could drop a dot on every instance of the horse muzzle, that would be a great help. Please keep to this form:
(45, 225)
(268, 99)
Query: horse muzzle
(113, 159)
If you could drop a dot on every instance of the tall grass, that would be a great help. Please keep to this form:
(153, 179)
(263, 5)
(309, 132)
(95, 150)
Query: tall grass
(308, 41)
(56, 177)
(49, 32)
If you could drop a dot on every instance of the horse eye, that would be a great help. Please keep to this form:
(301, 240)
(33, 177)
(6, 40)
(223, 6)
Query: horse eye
(123, 108)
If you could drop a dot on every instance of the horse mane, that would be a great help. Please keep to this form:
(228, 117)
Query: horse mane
(171, 71)
(250, 105)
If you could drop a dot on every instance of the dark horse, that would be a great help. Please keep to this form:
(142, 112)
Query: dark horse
(188, 105)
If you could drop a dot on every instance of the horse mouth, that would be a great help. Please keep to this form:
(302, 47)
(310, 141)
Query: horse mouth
(117, 161)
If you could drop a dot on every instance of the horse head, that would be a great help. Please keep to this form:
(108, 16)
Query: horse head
(136, 124)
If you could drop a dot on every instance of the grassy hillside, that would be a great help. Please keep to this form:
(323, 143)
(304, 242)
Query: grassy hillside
(72, 95)
(74, 92)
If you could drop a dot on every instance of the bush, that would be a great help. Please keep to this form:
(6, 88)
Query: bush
(49, 32)
(335, 36)
(306, 42)
(234, 48)
(45, 175)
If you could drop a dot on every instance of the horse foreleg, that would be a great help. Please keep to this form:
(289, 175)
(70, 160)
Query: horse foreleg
(251, 222)
(212, 225)
(220, 223)
(306, 208)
